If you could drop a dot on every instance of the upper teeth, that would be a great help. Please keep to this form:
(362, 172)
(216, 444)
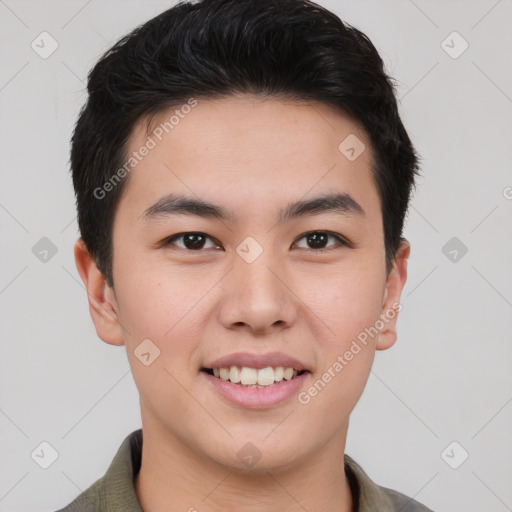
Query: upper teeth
(252, 376)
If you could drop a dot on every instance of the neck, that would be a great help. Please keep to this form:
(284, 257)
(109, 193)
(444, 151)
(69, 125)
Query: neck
(172, 477)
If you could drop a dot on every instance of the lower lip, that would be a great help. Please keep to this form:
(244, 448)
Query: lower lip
(257, 398)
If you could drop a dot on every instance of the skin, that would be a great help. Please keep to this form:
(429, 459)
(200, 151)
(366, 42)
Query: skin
(252, 157)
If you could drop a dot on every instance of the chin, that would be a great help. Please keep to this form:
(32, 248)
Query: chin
(252, 454)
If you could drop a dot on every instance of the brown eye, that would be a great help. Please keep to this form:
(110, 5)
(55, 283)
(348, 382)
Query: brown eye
(317, 240)
(191, 241)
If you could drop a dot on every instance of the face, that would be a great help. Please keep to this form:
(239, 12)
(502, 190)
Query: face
(249, 280)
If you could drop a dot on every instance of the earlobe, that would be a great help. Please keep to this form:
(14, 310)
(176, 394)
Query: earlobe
(102, 304)
(391, 301)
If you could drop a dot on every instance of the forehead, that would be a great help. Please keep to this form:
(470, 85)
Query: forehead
(251, 153)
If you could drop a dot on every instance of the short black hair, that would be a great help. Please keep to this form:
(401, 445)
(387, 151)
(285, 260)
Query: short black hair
(215, 48)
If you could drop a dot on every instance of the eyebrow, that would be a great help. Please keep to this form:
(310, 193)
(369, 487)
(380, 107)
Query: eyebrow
(177, 204)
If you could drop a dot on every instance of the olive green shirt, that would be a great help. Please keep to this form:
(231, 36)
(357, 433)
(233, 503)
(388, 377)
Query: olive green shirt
(115, 491)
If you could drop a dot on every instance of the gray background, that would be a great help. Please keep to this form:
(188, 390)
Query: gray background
(448, 377)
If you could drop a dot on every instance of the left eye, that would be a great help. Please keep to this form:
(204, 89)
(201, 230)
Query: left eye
(317, 240)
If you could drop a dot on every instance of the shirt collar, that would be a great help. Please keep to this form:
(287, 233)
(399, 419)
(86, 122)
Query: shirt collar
(117, 485)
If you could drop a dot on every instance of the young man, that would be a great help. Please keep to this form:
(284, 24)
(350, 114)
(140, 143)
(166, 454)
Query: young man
(242, 177)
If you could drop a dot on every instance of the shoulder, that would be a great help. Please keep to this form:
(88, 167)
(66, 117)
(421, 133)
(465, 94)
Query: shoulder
(85, 502)
(116, 489)
(403, 503)
(369, 497)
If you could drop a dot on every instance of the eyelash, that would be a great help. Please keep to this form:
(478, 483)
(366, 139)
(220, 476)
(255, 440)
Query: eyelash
(342, 242)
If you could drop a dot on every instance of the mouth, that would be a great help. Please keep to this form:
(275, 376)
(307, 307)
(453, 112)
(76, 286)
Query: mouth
(255, 388)
(259, 378)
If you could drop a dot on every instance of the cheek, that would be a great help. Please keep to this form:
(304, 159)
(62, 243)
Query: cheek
(166, 313)
(345, 309)
(156, 304)
(344, 300)
(144, 290)
(167, 306)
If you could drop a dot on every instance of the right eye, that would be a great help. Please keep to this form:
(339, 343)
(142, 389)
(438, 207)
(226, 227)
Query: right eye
(191, 240)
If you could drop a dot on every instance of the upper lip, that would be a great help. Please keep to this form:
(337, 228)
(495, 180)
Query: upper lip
(257, 361)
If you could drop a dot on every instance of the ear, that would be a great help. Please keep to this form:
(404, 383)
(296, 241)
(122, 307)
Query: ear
(391, 301)
(102, 304)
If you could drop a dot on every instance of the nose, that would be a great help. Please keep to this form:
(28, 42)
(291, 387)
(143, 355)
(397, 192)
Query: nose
(256, 297)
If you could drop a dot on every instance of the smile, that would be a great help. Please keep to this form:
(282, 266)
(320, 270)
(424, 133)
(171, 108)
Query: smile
(248, 392)
(253, 377)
